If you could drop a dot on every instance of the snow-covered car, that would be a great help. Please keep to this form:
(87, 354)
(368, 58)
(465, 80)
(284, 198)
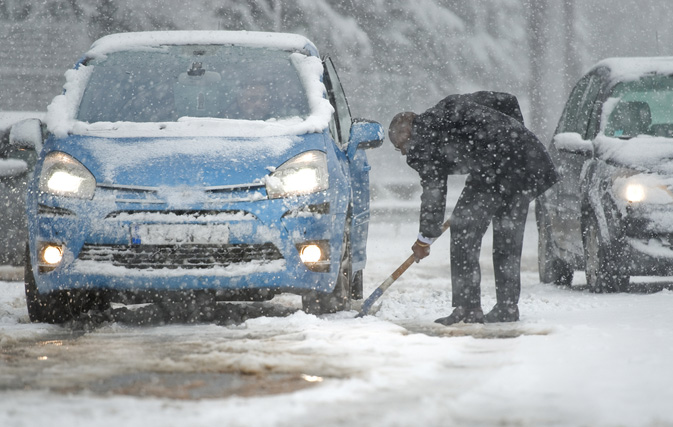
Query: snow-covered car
(15, 170)
(612, 212)
(212, 163)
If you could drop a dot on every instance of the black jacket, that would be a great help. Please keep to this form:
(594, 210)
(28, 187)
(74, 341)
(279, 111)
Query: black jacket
(482, 135)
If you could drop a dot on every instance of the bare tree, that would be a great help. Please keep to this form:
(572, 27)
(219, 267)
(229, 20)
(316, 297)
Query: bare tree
(537, 40)
(572, 62)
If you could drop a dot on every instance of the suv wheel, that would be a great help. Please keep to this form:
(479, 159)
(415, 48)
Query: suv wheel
(551, 268)
(604, 261)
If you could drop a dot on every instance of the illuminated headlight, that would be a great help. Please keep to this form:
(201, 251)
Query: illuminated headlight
(310, 253)
(303, 174)
(62, 175)
(315, 255)
(635, 193)
(50, 254)
(643, 188)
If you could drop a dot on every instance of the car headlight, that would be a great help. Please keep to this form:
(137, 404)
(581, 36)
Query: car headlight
(62, 175)
(643, 188)
(303, 174)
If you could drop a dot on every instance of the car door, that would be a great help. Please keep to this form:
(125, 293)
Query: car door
(358, 167)
(564, 200)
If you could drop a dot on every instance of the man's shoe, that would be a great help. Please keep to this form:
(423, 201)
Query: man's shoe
(503, 313)
(463, 314)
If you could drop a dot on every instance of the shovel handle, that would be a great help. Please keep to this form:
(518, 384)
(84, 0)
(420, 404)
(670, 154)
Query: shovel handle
(371, 299)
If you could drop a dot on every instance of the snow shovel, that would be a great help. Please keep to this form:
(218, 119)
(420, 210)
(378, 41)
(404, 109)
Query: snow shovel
(371, 299)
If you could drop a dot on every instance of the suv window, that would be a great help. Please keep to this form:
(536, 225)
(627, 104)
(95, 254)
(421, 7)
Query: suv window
(643, 107)
(580, 105)
(165, 84)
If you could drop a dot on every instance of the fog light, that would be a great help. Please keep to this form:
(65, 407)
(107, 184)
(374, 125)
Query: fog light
(310, 253)
(315, 255)
(52, 254)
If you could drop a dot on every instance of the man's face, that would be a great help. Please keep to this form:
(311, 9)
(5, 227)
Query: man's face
(400, 137)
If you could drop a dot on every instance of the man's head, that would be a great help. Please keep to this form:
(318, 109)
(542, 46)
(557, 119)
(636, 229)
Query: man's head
(399, 130)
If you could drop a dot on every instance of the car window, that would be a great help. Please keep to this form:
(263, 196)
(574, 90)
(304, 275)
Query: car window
(642, 107)
(338, 99)
(197, 81)
(581, 103)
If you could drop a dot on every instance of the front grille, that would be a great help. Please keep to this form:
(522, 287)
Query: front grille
(179, 256)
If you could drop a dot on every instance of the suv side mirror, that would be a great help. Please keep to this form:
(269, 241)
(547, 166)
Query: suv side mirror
(27, 134)
(572, 142)
(364, 134)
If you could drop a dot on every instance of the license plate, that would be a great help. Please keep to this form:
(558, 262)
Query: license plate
(175, 234)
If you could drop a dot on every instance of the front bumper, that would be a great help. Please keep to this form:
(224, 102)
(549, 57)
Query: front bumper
(649, 240)
(254, 246)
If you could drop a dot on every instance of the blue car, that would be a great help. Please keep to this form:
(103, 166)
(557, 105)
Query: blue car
(211, 163)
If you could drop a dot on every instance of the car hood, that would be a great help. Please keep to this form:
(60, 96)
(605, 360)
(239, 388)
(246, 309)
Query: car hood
(644, 153)
(183, 161)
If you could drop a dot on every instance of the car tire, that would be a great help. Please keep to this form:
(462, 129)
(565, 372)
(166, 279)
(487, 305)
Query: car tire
(605, 264)
(43, 308)
(551, 268)
(340, 298)
(57, 307)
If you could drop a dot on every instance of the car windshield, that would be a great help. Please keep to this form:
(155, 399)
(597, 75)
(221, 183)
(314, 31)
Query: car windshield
(644, 107)
(164, 84)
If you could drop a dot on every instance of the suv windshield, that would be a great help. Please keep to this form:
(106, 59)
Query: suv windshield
(164, 84)
(644, 107)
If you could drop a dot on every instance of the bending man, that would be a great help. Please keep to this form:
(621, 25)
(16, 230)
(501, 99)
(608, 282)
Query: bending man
(482, 135)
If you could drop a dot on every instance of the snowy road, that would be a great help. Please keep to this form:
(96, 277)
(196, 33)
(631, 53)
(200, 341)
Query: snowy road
(575, 359)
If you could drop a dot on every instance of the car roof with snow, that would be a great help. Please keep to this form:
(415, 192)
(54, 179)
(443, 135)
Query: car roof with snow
(61, 113)
(149, 39)
(632, 68)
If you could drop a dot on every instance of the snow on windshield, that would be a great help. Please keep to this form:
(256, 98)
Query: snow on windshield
(175, 115)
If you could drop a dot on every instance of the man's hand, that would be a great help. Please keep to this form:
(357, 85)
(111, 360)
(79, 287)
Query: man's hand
(421, 250)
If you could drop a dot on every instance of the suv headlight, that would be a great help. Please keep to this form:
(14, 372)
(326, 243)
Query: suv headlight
(62, 175)
(303, 174)
(643, 188)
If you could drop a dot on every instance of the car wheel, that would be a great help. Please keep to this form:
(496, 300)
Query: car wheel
(340, 298)
(551, 268)
(42, 308)
(604, 264)
(57, 307)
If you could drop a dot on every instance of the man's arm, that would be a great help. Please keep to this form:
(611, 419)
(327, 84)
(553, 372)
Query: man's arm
(433, 205)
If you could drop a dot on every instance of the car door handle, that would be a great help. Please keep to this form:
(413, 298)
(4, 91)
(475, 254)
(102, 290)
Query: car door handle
(367, 167)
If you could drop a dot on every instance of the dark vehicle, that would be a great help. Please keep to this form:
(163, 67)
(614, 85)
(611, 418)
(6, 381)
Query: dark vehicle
(612, 212)
(15, 170)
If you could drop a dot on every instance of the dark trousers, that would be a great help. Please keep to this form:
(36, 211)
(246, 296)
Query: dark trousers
(471, 216)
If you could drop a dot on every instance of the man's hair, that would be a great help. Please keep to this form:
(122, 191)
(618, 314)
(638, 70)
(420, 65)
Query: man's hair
(404, 118)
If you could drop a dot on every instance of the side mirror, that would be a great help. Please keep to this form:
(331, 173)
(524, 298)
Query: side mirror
(365, 134)
(572, 142)
(26, 134)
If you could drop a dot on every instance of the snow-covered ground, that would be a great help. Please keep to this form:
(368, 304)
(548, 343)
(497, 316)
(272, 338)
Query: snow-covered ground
(574, 359)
